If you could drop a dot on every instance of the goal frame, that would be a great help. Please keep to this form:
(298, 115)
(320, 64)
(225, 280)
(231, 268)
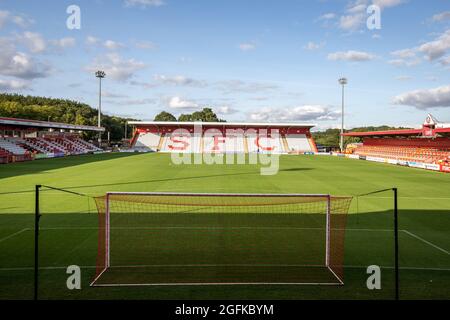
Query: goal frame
(254, 195)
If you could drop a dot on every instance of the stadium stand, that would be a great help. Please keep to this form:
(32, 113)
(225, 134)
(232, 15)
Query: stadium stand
(22, 140)
(222, 137)
(429, 145)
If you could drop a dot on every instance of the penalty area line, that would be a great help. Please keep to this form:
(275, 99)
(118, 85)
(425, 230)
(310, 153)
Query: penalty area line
(425, 241)
(14, 234)
(219, 284)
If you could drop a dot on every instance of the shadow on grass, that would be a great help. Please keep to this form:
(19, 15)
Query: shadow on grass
(295, 169)
(134, 182)
(368, 241)
(38, 166)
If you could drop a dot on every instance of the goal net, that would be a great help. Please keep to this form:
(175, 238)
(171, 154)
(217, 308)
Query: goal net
(201, 239)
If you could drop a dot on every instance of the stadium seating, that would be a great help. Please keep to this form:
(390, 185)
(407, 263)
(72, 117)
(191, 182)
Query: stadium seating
(21, 149)
(298, 142)
(148, 140)
(88, 147)
(12, 147)
(419, 150)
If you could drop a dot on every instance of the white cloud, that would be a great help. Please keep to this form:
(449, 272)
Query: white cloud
(432, 51)
(355, 15)
(232, 86)
(33, 41)
(404, 62)
(357, 7)
(129, 102)
(352, 22)
(19, 20)
(225, 110)
(327, 16)
(13, 85)
(313, 46)
(425, 98)
(180, 103)
(351, 55)
(387, 3)
(146, 45)
(108, 94)
(116, 67)
(445, 61)
(247, 46)
(145, 85)
(405, 58)
(18, 64)
(436, 48)
(90, 40)
(107, 44)
(404, 53)
(443, 16)
(4, 16)
(403, 78)
(300, 113)
(179, 80)
(112, 45)
(144, 3)
(64, 42)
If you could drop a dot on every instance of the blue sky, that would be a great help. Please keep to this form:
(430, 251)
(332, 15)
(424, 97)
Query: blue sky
(249, 60)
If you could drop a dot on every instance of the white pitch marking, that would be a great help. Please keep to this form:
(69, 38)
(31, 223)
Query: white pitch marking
(217, 228)
(425, 241)
(216, 284)
(14, 234)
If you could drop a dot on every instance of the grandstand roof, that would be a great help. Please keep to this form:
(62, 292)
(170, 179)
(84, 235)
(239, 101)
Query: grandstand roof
(225, 124)
(46, 124)
(403, 132)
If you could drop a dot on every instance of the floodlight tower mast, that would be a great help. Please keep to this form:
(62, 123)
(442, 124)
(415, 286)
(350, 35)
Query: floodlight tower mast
(342, 81)
(100, 75)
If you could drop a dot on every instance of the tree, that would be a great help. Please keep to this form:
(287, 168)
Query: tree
(165, 116)
(185, 118)
(206, 115)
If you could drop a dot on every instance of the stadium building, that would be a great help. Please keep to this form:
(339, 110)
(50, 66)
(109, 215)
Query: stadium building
(24, 140)
(218, 137)
(426, 148)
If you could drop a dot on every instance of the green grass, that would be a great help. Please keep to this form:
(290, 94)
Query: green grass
(69, 235)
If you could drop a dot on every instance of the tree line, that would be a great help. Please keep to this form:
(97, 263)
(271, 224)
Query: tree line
(61, 110)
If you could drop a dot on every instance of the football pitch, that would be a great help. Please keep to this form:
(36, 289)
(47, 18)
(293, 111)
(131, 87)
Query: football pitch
(69, 226)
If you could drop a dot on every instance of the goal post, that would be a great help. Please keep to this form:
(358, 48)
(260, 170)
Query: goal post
(147, 238)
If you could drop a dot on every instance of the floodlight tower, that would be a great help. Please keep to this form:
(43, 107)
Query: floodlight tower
(342, 81)
(100, 75)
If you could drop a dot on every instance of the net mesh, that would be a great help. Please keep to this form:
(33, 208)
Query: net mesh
(220, 238)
